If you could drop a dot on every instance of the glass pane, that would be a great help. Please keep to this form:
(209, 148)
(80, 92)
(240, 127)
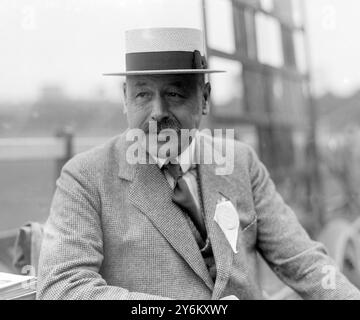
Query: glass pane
(220, 25)
(289, 47)
(267, 5)
(287, 100)
(255, 93)
(253, 3)
(298, 12)
(284, 149)
(277, 96)
(269, 43)
(227, 89)
(300, 51)
(283, 8)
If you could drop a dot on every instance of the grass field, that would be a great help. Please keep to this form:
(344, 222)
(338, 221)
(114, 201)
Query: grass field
(26, 190)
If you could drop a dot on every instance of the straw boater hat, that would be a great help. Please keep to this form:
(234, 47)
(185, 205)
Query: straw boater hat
(164, 51)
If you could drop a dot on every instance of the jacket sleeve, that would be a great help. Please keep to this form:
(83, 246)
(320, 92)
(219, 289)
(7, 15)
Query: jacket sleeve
(300, 262)
(72, 250)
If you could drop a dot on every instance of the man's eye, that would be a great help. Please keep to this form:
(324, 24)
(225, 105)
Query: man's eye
(175, 95)
(142, 94)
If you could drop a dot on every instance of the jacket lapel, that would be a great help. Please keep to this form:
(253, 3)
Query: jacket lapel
(213, 189)
(151, 194)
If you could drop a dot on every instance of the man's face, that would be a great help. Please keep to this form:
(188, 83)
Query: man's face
(172, 101)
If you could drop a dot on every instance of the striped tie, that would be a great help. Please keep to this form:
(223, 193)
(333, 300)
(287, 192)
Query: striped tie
(184, 199)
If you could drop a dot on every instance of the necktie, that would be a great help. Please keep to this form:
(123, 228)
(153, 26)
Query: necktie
(184, 199)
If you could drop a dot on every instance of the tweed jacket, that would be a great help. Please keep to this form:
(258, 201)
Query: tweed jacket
(114, 233)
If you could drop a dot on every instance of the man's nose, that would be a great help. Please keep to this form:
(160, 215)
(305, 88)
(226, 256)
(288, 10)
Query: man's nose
(159, 109)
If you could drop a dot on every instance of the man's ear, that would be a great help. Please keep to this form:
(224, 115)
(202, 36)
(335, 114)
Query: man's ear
(125, 97)
(206, 98)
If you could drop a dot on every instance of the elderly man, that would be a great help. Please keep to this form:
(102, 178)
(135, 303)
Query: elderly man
(172, 226)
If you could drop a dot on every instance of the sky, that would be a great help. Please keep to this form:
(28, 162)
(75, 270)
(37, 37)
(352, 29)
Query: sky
(71, 43)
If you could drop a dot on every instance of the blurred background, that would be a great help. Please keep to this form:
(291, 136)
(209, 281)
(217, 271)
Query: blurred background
(292, 91)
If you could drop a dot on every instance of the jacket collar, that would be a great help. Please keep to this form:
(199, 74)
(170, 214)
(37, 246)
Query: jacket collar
(186, 159)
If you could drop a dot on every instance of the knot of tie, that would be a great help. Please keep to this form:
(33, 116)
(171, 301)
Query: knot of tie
(174, 169)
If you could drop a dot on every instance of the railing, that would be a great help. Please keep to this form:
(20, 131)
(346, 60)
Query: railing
(13, 149)
(60, 148)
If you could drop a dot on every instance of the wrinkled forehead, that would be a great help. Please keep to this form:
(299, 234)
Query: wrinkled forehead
(177, 80)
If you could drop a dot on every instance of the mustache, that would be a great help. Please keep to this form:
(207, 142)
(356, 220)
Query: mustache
(168, 123)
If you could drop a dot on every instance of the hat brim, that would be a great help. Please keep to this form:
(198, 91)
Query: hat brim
(175, 71)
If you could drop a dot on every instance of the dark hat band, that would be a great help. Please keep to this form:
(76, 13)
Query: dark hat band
(165, 60)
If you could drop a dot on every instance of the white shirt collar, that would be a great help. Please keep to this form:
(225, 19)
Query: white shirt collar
(186, 159)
